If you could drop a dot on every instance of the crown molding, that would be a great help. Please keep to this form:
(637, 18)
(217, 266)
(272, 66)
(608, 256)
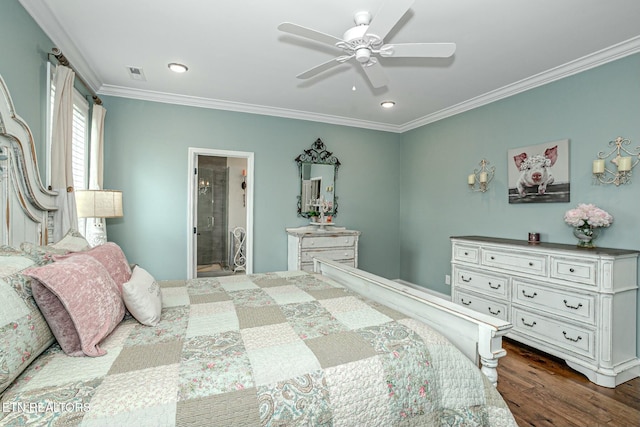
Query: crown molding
(194, 101)
(601, 57)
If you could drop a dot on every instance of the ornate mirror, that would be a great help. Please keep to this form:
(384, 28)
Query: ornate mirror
(318, 170)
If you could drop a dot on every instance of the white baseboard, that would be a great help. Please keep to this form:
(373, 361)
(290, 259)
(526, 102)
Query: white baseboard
(423, 289)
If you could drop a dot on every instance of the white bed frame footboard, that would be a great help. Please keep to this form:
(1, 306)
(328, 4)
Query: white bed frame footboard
(478, 336)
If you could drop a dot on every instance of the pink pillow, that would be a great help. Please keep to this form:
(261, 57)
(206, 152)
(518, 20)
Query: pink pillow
(80, 302)
(111, 257)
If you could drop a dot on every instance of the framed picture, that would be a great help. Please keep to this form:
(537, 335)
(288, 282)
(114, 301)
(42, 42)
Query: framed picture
(539, 173)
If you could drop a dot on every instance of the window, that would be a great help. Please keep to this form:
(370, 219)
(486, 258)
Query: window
(80, 142)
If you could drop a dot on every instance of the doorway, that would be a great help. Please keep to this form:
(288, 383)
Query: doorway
(220, 213)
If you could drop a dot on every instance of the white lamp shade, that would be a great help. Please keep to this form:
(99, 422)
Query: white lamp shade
(99, 203)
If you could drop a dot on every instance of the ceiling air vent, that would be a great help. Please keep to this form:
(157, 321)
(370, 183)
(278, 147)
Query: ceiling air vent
(136, 73)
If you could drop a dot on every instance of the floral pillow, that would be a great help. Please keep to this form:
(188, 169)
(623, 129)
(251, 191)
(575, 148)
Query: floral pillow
(73, 241)
(24, 332)
(80, 301)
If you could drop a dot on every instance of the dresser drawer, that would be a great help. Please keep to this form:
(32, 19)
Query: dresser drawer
(579, 271)
(515, 261)
(487, 283)
(331, 254)
(466, 253)
(564, 303)
(328, 241)
(576, 339)
(482, 305)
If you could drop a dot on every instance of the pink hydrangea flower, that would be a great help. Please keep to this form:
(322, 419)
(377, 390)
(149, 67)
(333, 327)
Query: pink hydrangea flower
(588, 215)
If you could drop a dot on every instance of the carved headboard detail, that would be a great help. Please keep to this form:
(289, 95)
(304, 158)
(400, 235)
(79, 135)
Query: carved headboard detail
(25, 204)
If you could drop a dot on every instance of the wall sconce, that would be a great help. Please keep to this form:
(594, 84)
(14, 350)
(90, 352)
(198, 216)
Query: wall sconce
(483, 177)
(624, 164)
(203, 186)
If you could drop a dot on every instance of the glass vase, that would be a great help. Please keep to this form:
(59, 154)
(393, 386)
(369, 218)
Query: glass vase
(586, 236)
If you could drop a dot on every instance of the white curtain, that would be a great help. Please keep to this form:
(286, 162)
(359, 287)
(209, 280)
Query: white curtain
(96, 164)
(61, 149)
(97, 147)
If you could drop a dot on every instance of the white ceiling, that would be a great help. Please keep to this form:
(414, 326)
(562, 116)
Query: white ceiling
(238, 60)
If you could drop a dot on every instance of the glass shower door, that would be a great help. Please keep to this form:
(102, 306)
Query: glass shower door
(212, 223)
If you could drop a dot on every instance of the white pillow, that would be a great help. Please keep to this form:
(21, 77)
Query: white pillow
(73, 241)
(142, 297)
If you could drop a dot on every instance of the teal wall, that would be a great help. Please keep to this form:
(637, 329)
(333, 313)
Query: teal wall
(23, 56)
(589, 109)
(146, 156)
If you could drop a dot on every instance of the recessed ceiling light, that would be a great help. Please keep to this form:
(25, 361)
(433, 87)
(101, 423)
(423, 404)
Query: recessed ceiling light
(178, 68)
(387, 104)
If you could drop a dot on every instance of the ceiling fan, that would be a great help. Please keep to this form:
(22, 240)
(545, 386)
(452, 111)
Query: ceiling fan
(365, 41)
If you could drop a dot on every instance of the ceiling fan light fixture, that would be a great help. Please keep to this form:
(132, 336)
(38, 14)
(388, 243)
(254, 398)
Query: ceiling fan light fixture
(178, 68)
(387, 104)
(363, 55)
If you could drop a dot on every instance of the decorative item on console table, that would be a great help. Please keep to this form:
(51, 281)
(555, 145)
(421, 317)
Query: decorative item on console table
(336, 244)
(587, 220)
(577, 305)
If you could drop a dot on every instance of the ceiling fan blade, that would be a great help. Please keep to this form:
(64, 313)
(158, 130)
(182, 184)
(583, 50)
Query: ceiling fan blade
(388, 16)
(375, 74)
(298, 30)
(324, 66)
(419, 50)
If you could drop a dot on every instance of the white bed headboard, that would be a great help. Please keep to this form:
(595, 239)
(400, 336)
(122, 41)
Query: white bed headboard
(25, 204)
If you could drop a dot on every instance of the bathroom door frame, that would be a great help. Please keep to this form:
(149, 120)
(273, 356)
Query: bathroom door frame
(192, 202)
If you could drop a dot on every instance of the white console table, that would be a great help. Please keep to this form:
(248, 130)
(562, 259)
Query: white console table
(329, 242)
(576, 304)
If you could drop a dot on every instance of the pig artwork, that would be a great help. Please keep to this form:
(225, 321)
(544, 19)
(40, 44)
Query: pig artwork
(535, 170)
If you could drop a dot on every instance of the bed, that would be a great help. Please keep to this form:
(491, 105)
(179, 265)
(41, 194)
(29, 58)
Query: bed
(336, 347)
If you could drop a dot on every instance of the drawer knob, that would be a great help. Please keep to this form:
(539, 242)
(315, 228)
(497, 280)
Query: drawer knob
(466, 253)
(465, 302)
(530, 295)
(494, 286)
(495, 313)
(571, 339)
(572, 270)
(524, 322)
(492, 257)
(465, 280)
(530, 264)
(575, 307)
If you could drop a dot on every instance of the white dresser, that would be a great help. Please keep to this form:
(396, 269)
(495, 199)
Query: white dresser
(576, 304)
(334, 243)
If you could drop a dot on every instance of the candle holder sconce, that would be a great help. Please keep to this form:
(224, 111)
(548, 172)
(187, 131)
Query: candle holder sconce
(481, 177)
(624, 164)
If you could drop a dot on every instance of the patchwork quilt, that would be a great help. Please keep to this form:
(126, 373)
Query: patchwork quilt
(274, 349)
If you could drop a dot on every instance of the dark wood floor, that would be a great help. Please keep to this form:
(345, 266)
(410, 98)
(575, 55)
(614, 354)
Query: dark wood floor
(543, 391)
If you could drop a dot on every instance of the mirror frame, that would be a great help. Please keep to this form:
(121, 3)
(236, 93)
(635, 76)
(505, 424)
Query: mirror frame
(318, 155)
